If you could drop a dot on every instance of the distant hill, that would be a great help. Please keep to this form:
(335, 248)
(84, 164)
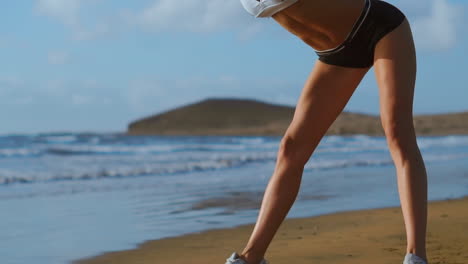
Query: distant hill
(251, 117)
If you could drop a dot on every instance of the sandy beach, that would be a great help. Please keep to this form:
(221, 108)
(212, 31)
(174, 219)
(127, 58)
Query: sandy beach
(77, 199)
(366, 236)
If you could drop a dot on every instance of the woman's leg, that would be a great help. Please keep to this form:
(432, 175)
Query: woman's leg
(395, 69)
(325, 93)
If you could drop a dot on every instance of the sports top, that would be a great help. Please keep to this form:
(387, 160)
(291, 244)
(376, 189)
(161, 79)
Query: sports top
(266, 8)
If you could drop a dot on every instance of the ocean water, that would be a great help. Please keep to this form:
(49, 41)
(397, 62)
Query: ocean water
(65, 196)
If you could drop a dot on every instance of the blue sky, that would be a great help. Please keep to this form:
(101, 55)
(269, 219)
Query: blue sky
(96, 65)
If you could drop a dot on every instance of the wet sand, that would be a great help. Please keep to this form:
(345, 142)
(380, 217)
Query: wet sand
(355, 237)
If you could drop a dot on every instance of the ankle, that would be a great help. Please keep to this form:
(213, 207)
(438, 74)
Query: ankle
(419, 253)
(250, 258)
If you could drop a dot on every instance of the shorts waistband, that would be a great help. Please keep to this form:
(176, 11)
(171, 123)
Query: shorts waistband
(353, 32)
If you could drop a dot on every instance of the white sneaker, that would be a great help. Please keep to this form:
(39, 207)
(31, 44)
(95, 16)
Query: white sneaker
(234, 259)
(413, 259)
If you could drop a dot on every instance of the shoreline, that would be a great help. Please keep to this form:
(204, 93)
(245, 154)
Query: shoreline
(357, 236)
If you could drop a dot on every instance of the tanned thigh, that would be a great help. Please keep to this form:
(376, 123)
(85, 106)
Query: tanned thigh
(395, 71)
(325, 93)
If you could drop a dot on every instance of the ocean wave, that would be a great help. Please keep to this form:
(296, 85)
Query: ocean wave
(68, 150)
(249, 140)
(336, 164)
(437, 157)
(18, 152)
(445, 141)
(175, 168)
(69, 138)
(77, 144)
(176, 164)
(10, 177)
(351, 149)
(146, 149)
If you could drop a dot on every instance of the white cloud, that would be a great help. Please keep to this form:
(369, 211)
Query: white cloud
(64, 10)
(55, 87)
(3, 42)
(13, 91)
(68, 12)
(435, 23)
(79, 99)
(193, 15)
(58, 57)
(26, 100)
(9, 84)
(10, 81)
(159, 16)
(143, 94)
(97, 31)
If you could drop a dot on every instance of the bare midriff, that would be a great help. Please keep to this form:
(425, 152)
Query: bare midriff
(322, 24)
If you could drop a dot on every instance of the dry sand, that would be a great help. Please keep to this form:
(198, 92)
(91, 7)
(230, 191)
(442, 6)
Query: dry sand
(362, 237)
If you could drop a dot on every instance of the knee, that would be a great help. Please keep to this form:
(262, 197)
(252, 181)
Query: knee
(292, 153)
(400, 135)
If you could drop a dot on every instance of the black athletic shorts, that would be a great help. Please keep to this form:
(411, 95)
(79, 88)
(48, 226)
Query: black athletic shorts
(376, 20)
